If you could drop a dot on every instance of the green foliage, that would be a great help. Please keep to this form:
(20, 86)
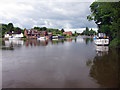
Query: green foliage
(62, 30)
(64, 35)
(115, 42)
(88, 33)
(54, 31)
(9, 28)
(89, 18)
(24, 36)
(73, 34)
(67, 36)
(106, 16)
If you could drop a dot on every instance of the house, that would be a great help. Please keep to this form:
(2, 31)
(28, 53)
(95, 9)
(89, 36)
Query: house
(68, 33)
(50, 34)
(33, 33)
(30, 33)
(42, 33)
(17, 34)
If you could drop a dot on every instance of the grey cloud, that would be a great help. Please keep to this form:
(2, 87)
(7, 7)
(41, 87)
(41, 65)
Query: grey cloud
(52, 15)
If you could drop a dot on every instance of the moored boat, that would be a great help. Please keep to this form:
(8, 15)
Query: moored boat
(54, 37)
(101, 39)
(41, 38)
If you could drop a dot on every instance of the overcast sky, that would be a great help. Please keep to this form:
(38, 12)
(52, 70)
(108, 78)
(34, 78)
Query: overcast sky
(67, 14)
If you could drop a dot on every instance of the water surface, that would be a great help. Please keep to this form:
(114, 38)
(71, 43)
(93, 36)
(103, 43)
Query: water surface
(69, 63)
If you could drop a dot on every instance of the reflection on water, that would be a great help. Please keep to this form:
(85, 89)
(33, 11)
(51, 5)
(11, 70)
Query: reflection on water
(11, 44)
(101, 50)
(87, 40)
(105, 69)
(34, 42)
(67, 63)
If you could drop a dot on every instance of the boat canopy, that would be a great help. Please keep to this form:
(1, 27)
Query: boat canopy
(101, 34)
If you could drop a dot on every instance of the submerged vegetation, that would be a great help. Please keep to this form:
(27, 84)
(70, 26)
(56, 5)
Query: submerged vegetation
(106, 16)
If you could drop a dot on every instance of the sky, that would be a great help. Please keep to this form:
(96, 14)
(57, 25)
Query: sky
(68, 14)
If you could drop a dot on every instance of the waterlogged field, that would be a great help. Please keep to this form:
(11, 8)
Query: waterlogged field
(64, 63)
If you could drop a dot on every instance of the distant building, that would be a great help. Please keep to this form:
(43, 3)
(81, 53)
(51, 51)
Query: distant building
(13, 34)
(50, 34)
(30, 33)
(33, 33)
(68, 33)
(42, 33)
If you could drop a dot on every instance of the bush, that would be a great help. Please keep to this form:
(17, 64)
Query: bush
(115, 43)
(24, 36)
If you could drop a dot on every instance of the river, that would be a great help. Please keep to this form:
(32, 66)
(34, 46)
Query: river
(64, 63)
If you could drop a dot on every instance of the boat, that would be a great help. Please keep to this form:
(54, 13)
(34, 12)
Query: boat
(41, 38)
(61, 37)
(101, 39)
(54, 37)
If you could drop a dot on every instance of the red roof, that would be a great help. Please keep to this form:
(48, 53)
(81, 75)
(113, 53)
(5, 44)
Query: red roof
(67, 32)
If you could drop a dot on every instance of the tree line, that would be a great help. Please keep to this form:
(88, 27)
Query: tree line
(107, 17)
(54, 31)
(10, 27)
(89, 32)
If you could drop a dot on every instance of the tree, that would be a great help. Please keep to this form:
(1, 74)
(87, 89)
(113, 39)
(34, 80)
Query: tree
(44, 29)
(10, 27)
(106, 16)
(17, 29)
(87, 29)
(62, 30)
(36, 28)
(75, 32)
(88, 33)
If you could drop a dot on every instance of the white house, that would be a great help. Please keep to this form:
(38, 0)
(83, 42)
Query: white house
(13, 35)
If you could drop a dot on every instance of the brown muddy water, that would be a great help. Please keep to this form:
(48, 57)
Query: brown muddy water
(69, 63)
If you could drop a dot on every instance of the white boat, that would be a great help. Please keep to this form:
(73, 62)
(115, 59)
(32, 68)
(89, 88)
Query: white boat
(54, 37)
(41, 38)
(101, 39)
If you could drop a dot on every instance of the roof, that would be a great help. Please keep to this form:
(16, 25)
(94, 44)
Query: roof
(67, 32)
(13, 33)
(31, 29)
